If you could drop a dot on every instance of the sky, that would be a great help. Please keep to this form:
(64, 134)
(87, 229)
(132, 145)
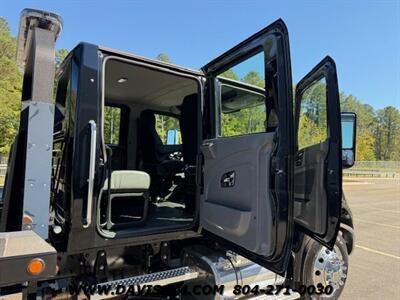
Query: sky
(363, 37)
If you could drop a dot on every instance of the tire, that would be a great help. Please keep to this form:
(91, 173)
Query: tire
(321, 267)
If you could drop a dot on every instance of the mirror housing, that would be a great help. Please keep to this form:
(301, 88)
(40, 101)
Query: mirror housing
(349, 125)
(172, 137)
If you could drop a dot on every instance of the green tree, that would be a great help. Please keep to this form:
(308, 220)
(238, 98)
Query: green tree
(254, 78)
(165, 123)
(310, 132)
(112, 119)
(387, 133)
(60, 55)
(164, 57)
(365, 140)
(229, 74)
(10, 88)
(313, 127)
(249, 119)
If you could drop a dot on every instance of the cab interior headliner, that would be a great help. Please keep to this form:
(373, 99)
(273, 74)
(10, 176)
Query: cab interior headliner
(145, 86)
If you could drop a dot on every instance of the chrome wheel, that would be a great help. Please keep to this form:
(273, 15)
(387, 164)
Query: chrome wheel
(330, 268)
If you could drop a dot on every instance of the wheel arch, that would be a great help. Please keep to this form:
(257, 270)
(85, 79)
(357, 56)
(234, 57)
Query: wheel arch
(347, 225)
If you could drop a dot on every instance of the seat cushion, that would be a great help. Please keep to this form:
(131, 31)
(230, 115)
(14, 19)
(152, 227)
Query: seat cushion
(128, 180)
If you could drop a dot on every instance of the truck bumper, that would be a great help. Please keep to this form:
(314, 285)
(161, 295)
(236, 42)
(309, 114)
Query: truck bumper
(17, 250)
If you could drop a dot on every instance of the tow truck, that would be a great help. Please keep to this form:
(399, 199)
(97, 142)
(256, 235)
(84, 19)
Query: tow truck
(129, 172)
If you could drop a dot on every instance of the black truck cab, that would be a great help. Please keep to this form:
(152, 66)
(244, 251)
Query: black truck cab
(152, 160)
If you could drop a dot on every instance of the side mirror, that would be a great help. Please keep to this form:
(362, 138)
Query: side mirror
(348, 120)
(172, 137)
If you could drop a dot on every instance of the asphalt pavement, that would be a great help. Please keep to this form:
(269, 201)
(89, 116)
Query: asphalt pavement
(374, 271)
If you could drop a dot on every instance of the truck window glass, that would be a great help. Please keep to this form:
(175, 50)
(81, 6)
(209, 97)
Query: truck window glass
(112, 122)
(242, 88)
(313, 127)
(168, 129)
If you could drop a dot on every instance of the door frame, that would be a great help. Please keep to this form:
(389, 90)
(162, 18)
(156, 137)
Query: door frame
(275, 43)
(326, 68)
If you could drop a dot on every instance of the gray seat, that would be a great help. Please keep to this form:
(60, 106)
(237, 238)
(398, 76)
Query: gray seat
(156, 156)
(128, 180)
(127, 184)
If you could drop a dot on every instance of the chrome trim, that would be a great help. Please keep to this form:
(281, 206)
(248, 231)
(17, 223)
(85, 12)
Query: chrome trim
(329, 269)
(92, 165)
(348, 235)
(228, 269)
(347, 228)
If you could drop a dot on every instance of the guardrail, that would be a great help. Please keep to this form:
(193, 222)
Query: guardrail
(385, 169)
(378, 166)
(362, 173)
(3, 169)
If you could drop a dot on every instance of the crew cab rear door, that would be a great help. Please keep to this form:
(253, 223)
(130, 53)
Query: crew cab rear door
(318, 161)
(247, 154)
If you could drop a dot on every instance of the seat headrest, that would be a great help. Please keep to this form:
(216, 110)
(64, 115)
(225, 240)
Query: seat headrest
(189, 100)
(148, 117)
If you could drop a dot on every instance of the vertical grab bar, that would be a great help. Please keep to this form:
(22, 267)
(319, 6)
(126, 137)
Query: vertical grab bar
(90, 180)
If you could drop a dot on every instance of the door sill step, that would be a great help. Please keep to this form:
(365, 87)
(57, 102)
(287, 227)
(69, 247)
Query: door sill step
(157, 278)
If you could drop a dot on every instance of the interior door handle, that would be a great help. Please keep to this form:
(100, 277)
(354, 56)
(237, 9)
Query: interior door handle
(228, 179)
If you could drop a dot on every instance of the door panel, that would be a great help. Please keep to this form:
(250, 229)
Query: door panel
(308, 185)
(248, 151)
(318, 162)
(242, 210)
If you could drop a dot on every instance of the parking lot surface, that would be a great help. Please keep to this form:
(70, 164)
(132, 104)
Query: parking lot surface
(374, 271)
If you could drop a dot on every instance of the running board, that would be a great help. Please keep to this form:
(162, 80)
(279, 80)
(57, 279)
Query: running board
(157, 278)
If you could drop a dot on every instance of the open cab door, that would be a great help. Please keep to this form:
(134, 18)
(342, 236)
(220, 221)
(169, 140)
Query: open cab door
(247, 154)
(318, 161)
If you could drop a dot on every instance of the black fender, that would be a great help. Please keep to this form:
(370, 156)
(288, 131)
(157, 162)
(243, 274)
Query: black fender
(347, 225)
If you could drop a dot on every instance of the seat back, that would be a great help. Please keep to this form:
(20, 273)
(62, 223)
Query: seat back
(149, 139)
(117, 157)
(189, 122)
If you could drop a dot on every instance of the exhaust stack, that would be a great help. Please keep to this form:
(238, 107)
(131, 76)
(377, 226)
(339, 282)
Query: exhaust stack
(28, 180)
(31, 19)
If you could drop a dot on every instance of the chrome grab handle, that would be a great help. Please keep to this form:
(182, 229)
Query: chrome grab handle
(92, 166)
